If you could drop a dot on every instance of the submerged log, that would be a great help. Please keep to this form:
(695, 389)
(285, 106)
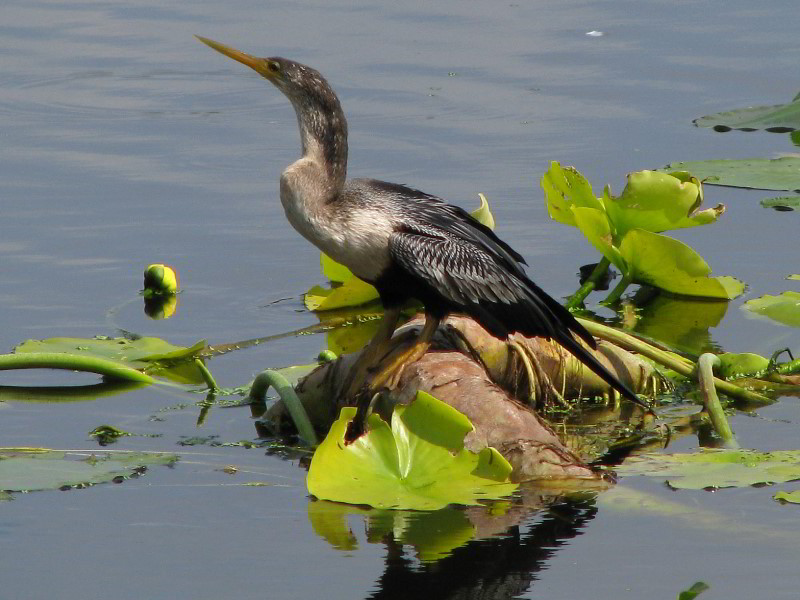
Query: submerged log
(496, 384)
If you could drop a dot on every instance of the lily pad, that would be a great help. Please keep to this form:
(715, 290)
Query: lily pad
(652, 200)
(138, 352)
(334, 271)
(626, 229)
(741, 365)
(25, 470)
(658, 202)
(778, 118)
(783, 203)
(753, 173)
(352, 292)
(671, 265)
(712, 469)
(790, 497)
(149, 354)
(783, 308)
(418, 462)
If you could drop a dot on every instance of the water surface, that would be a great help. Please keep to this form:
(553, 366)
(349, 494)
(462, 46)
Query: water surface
(127, 142)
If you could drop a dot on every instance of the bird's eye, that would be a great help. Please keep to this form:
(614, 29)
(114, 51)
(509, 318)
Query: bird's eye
(273, 67)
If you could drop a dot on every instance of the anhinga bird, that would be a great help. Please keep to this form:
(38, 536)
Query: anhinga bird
(408, 244)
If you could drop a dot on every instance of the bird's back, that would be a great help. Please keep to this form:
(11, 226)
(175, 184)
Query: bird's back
(442, 256)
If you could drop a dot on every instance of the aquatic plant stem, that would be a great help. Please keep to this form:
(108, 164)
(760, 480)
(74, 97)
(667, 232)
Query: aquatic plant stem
(588, 286)
(269, 378)
(73, 362)
(705, 376)
(206, 374)
(673, 361)
(617, 292)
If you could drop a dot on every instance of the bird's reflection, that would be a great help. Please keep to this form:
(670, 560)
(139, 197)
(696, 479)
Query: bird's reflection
(489, 552)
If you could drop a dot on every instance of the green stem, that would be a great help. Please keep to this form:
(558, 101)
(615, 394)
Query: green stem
(705, 376)
(258, 392)
(617, 292)
(206, 374)
(73, 362)
(588, 286)
(670, 360)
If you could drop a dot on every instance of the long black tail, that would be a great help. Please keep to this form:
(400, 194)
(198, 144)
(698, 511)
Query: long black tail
(575, 348)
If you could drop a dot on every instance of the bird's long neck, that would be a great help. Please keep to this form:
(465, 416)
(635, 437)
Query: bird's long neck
(323, 136)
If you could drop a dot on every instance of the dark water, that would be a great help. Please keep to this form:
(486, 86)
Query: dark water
(126, 142)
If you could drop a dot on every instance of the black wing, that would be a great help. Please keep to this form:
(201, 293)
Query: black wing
(473, 275)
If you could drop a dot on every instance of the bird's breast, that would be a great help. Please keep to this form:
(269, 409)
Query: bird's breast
(357, 237)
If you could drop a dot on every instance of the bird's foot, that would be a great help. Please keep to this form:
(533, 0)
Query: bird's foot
(358, 426)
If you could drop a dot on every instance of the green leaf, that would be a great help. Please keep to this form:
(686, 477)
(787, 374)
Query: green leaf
(783, 308)
(150, 354)
(334, 271)
(25, 470)
(695, 590)
(755, 173)
(779, 118)
(794, 277)
(136, 353)
(673, 266)
(419, 462)
(657, 202)
(625, 229)
(740, 365)
(791, 497)
(352, 292)
(716, 468)
(594, 224)
(784, 203)
(482, 214)
(565, 188)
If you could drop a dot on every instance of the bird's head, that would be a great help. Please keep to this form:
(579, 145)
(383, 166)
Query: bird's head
(293, 79)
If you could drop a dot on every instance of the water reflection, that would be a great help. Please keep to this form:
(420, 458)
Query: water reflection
(680, 322)
(493, 551)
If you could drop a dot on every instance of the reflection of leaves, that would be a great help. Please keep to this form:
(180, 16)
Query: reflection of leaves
(783, 308)
(756, 173)
(780, 118)
(344, 340)
(26, 470)
(434, 534)
(418, 462)
(682, 323)
(72, 393)
(716, 468)
(625, 229)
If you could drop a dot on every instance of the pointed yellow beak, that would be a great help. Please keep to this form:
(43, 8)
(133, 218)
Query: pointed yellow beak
(259, 65)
